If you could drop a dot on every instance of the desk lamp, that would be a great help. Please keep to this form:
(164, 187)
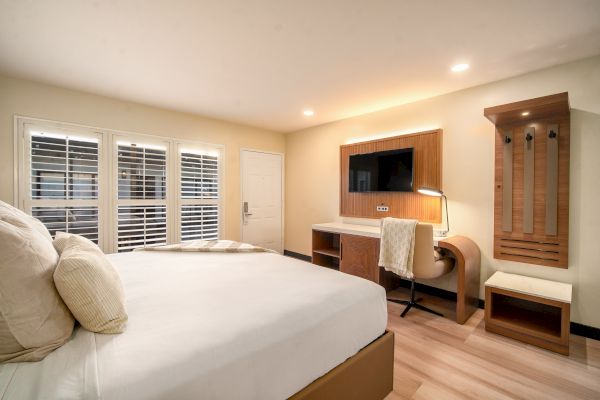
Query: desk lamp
(437, 193)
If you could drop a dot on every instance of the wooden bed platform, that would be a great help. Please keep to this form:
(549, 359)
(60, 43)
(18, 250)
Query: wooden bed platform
(366, 376)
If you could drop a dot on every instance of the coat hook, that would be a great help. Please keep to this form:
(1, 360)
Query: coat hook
(507, 139)
(529, 137)
(552, 135)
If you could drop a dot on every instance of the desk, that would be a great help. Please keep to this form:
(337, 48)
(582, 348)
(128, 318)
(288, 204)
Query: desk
(354, 249)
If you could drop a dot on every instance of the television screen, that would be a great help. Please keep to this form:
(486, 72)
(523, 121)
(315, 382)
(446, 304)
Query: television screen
(384, 171)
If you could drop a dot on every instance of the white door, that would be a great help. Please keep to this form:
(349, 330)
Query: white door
(262, 199)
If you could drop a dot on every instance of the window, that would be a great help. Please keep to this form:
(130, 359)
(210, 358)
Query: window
(142, 187)
(142, 191)
(199, 194)
(62, 180)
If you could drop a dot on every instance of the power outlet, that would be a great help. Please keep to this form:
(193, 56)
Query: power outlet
(383, 208)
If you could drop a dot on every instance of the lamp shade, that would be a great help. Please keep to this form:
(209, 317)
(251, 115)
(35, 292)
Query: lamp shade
(430, 192)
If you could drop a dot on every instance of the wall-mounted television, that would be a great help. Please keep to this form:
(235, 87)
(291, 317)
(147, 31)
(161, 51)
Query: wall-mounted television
(383, 171)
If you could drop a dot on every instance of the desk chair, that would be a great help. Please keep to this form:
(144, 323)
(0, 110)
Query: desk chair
(425, 266)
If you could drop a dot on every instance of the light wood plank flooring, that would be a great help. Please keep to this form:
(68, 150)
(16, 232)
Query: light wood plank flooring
(435, 358)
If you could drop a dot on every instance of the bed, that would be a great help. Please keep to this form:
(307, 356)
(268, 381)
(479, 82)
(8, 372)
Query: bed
(223, 326)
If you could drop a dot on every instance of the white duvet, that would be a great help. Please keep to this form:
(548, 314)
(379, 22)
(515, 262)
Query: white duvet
(211, 326)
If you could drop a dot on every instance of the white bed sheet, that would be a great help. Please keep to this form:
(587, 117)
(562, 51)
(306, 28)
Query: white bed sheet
(212, 326)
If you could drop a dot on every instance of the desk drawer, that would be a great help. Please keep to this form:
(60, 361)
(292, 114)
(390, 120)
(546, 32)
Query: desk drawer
(359, 256)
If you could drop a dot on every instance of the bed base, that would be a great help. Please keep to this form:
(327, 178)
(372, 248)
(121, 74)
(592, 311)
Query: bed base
(366, 376)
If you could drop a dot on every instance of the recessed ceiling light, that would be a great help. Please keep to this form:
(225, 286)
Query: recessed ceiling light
(308, 113)
(460, 67)
(525, 113)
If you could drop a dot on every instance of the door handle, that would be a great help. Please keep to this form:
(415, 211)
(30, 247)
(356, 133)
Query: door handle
(245, 209)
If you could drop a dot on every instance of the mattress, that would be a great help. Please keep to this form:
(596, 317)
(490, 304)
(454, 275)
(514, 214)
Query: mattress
(211, 326)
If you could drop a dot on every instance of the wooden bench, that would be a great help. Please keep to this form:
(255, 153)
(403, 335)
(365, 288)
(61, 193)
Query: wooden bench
(535, 311)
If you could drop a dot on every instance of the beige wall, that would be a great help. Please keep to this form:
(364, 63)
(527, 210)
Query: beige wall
(312, 171)
(37, 100)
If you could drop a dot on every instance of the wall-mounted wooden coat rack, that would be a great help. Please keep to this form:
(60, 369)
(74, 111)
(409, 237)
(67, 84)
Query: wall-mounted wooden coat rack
(531, 195)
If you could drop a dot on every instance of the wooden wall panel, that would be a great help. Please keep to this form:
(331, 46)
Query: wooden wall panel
(427, 172)
(536, 247)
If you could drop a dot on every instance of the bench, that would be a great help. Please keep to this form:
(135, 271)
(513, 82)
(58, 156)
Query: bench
(532, 310)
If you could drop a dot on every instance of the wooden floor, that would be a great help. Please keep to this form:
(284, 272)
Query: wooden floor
(435, 358)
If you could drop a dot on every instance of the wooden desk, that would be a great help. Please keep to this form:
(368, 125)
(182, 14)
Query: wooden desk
(354, 249)
(468, 265)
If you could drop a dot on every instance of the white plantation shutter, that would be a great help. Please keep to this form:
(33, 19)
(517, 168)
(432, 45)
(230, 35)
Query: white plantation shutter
(142, 172)
(140, 226)
(115, 188)
(78, 220)
(199, 222)
(199, 176)
(142, 187)
(61, 171)
(199, 194)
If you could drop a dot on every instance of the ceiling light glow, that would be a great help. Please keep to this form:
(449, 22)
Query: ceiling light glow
(525, 113)
(308, 113)
(460, 67)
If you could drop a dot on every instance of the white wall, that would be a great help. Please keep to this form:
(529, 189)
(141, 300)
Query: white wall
(312, 171)
(38, 100)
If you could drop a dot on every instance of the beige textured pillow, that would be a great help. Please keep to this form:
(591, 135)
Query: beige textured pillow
(90, 285)
(60, 241)
(33, 318)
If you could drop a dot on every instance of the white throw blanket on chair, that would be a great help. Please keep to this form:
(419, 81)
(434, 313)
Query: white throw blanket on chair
(397, 246)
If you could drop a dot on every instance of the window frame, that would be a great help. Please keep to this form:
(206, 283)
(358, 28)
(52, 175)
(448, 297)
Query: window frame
(108, 174)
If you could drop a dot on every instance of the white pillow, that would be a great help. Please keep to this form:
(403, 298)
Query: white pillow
(14, 214)
(89, 285)
(33, 318)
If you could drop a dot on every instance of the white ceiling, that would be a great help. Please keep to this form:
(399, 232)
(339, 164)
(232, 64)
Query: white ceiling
(262, 62)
